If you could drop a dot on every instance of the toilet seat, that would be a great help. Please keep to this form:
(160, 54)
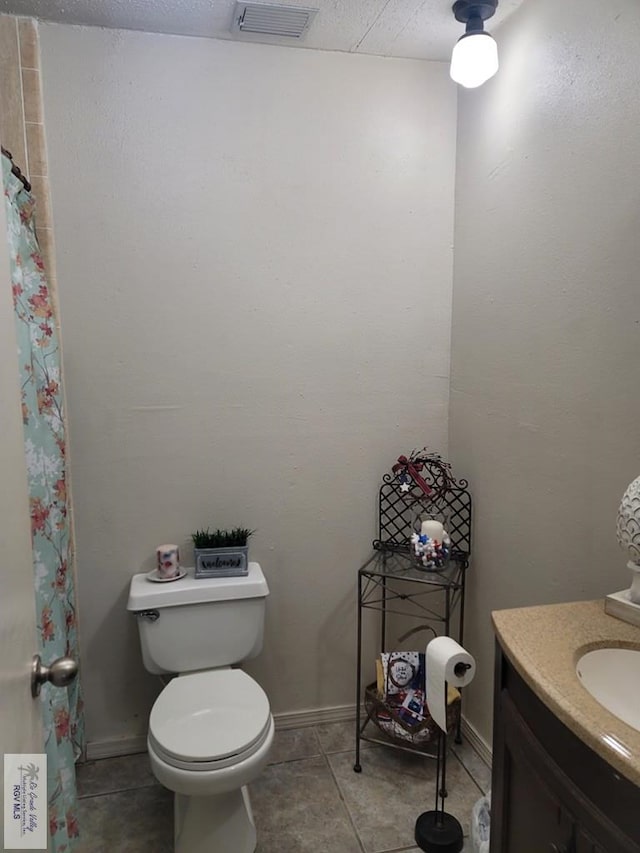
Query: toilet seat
(208, 720)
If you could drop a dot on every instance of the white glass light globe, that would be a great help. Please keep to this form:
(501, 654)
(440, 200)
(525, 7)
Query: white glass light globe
(474, 59)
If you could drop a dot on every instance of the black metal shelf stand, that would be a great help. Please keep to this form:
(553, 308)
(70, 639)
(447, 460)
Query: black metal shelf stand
(392, 581)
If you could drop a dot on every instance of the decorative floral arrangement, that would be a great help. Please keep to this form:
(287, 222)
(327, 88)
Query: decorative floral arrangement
(237, 537)
(408, 472)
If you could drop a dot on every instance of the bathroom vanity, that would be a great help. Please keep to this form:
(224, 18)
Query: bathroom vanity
(566, 772)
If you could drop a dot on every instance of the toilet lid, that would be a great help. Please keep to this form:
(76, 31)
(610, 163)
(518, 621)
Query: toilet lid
(206, 716)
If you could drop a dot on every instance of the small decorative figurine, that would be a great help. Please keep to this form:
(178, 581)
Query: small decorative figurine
(628, 532)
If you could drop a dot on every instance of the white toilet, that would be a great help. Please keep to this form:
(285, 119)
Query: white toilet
(211, 729)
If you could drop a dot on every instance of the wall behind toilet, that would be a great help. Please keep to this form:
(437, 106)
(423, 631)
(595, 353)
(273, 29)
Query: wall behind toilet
(255, 271)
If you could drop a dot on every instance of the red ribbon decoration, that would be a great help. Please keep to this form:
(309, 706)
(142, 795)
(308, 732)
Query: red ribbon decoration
(412, 468)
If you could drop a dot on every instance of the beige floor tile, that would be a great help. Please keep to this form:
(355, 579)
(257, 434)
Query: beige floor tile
(41, 193)
(114, 774)
(291, 744)
(29, 49)
(138, 821)
(32, 96)
(36, 149)
(385, 800)
(298, 809)
(480, 771)
(297, 805)
(339, 737)
(11, 108)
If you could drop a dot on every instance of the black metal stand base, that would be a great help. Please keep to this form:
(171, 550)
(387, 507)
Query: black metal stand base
(439, 832)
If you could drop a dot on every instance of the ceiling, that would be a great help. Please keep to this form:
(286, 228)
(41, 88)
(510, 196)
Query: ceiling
(420, 29)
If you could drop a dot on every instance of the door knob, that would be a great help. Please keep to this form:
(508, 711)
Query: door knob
(61, 673)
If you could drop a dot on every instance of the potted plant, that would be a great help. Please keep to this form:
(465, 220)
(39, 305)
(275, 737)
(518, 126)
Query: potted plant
(221, 553)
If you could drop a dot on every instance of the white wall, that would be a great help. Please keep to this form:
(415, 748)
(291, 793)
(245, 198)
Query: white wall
(255, 265)
(545, 411)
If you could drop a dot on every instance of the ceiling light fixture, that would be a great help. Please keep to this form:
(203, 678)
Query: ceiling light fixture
(475, 55)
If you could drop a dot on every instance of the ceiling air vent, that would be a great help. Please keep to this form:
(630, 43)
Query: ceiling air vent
(260, 19)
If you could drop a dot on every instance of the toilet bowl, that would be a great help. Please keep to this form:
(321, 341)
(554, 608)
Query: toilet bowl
(209, 736)
(211, 728)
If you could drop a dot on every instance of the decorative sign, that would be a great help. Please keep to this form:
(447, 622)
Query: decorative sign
(221, 562)
(229, 561)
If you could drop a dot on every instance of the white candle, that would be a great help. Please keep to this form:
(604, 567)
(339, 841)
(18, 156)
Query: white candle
(433, 529)
(168, 561)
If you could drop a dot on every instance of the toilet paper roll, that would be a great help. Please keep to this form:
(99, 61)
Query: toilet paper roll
(446, 663)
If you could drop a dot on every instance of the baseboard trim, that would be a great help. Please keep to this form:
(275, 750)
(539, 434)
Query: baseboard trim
(476, 741)
(115, 748)
(285, 720)
(315, 717)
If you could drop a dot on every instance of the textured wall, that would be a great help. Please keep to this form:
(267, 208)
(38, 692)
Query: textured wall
(255, 263)
(545, 414)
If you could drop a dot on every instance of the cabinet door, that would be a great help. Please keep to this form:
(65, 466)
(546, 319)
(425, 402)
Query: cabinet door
(586, 844)
(537, 823)
(536, 820)
(569, 803)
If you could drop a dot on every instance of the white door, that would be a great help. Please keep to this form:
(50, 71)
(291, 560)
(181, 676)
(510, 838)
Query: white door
(20, 721)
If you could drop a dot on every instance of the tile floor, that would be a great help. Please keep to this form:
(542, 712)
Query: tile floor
(307, 799)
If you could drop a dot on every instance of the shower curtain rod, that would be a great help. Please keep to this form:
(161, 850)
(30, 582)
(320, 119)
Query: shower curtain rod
(15, 170)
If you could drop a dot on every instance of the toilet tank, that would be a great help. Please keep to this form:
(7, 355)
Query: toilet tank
(190, 624)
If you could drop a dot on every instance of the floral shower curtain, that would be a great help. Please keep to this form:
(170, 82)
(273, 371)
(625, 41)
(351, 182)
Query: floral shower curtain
(45, 442)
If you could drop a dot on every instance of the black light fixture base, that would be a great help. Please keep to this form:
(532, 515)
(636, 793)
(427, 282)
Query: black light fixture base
(467, 10)
(439, 832)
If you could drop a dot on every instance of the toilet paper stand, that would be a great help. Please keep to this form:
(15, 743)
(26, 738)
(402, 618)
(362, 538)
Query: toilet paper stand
(437, 831)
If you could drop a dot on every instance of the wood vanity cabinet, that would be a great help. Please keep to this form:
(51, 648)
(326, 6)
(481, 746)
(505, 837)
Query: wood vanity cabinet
(551, 793)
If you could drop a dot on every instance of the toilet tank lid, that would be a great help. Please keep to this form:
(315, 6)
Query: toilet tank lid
(144, 594)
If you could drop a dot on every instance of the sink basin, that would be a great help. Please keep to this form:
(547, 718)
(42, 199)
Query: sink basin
(612, 676)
